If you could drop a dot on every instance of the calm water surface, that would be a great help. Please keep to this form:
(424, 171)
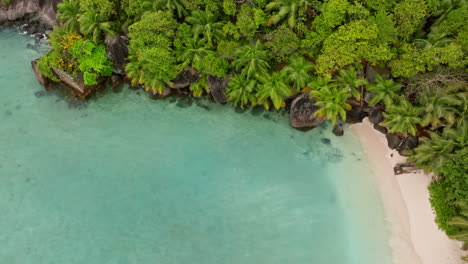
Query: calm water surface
(125, 179)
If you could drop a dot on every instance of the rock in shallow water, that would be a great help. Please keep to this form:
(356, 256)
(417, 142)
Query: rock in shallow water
(302, 113)
(338, 130)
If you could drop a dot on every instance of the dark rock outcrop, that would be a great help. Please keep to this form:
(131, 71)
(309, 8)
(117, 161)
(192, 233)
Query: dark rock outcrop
(408, 143)
(185, 78)
(381, 129)
(302, 113)
(375, 117)
(218, 88)
(70, 81)
(338, 130)
(40, 15)
(43, 80)
(116, 82)
(356, 115)
(117, 52)
(393, 140)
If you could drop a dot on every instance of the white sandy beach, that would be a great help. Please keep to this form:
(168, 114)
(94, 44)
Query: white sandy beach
(415, 238)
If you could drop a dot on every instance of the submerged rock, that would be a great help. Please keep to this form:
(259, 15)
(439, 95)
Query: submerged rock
(338, 130)
(218, 88)
(302, 113)
(326, 141)
(116, 83)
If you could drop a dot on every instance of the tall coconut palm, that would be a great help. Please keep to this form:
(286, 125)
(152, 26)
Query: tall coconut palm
(332, 101)
(192, 52)
(242, 91)
(94, 25)
(206, 23)
(286, 9)
(68, 13)
(403, 117)
(385, 90)
(348, 79)
(273, 88)
(177, 6)
(298, 72)
(252, 59)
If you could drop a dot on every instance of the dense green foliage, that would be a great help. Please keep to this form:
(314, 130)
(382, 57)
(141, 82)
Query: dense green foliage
(272, 50)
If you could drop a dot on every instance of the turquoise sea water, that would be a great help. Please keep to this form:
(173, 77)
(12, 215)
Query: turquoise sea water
(125, 179)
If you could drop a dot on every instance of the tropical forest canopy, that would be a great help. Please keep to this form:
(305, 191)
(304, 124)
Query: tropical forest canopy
(272, 50)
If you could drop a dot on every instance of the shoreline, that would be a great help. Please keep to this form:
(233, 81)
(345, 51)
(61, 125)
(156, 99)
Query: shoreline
(414, 236)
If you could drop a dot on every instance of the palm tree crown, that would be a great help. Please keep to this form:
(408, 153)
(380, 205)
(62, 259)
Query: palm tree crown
(403, 117)
(206, 23)
(332, 101)
(384, 91)
(252, 59)
(298, 72)
(273, 88)
(286, 9)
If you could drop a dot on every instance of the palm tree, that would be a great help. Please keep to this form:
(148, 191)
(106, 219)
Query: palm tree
(286, 9)
(93, 25)
(433, 152)
(206, 23)
(242, 91)
(385, 90)
(134, 71)
(192, 52)
(252, 59)
(332, 101)
(438, 106)
(319, 82)
(403, 117)
(199, 86)
(298, 72)
(273, 88)
(68, 14)
(179, 6)
(348, 80)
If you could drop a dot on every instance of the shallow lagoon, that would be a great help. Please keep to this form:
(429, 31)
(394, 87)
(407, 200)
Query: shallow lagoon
(127, 179)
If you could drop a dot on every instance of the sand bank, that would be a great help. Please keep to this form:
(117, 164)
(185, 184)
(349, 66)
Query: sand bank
(415, 238)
